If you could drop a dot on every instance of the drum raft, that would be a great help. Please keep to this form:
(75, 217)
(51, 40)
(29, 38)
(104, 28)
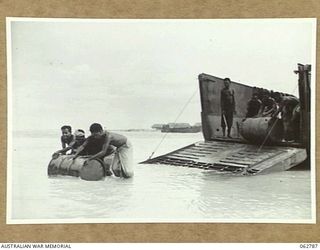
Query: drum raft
(92, 170)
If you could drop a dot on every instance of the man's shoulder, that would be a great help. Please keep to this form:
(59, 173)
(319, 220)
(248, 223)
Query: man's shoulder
(290, 99)
(89, 138)
(106, 133)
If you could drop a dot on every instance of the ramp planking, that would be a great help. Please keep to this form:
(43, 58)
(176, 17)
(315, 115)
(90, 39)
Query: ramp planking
(232, 156)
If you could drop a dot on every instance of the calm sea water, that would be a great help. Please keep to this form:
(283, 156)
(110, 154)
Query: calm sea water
(156, 193)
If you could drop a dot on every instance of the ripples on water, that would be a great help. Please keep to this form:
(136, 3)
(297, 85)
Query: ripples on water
(156, 193)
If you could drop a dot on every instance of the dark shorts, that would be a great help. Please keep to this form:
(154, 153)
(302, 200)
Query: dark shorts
(228, 117)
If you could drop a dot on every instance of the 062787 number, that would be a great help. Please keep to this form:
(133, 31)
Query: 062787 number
(309, 245)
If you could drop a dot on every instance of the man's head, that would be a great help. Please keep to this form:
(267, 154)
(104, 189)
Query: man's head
(79, 134)
(255, 96)
(266, 94)
(277, 97)
(227, 82)
(96, 130)
(66, 131)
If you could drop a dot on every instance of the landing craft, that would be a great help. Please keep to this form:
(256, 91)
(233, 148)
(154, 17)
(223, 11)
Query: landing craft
(180, 128)
(256, 145)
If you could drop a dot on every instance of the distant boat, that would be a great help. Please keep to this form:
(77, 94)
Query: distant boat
(158, 126)
(181, 128)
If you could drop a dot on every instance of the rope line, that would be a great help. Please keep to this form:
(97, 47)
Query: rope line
(269, 132)
(165, 135)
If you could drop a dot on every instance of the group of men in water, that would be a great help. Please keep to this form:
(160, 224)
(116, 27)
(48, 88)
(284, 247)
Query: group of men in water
(263, 103)
(98, 145)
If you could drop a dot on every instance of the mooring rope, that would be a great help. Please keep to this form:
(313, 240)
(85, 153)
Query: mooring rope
(266, 138)
(165, 135)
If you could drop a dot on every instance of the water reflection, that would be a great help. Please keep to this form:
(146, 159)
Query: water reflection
(269, 196)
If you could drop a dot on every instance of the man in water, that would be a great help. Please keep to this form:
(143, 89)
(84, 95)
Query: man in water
(227, 103)
(79, 139)
(67, 136)
(97, 145)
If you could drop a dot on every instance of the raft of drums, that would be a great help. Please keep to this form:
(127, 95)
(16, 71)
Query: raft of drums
(92, 170)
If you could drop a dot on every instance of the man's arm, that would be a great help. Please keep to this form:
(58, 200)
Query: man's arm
(63, 144)
(233, 103)
(68, 147)
(103, 152)
(65, 149)
(80, 149)
(272, 111)
(262, 106)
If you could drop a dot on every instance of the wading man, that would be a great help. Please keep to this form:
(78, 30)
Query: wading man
(79, 139)
(67, 137)
(97, 145)
(227, 103)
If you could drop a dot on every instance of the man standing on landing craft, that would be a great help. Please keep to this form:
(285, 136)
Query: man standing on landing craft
(227, 103)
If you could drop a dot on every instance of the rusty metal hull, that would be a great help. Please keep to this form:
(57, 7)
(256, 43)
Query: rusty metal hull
(235, 157)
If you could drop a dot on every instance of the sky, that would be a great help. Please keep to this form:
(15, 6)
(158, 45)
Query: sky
(129, 74)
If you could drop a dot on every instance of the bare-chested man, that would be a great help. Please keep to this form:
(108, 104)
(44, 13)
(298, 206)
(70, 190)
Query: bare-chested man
(97, 145)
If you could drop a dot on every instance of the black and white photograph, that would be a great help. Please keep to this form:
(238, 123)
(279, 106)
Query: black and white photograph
(161, 120)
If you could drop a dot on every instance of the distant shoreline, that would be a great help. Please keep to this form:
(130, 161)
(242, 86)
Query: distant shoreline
(58, 130)
(57, 133)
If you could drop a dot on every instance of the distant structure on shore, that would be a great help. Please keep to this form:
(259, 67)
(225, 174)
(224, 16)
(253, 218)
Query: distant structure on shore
(157, 126)
(178, 127)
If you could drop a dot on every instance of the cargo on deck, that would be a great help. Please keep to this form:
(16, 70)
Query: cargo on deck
(257, 144)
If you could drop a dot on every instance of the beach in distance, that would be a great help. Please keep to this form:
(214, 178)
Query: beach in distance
(156, 193)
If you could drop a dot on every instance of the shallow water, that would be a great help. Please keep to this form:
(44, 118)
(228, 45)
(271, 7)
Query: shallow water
(156, 193)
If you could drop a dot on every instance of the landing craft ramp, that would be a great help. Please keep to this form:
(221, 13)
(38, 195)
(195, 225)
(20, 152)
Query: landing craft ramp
(238, 155)
(232, 156)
